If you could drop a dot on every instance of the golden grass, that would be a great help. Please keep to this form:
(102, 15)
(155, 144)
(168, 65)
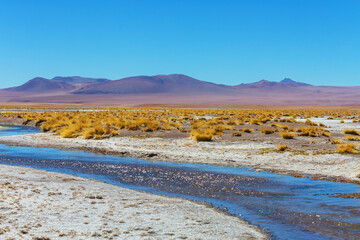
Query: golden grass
(107, 122)
(351, 132)
(353, 138)
(282, 148)
(287, 135)
(335, 141)
(346, 148)
(202, 135)
(267, 130)
(247, 130)
(237, 134)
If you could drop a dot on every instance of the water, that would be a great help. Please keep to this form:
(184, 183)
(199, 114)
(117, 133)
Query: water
(288, 207)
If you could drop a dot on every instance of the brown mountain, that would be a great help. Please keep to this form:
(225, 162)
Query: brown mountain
(174, 84)
(57, 84)
(286, 83)
(176, 89)
(77, 79)
(41, 85)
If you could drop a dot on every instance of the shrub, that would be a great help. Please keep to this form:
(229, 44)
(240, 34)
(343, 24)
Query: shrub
(287, 135)
(335, 141)
(352, 138)
(88, 134)
(351, 132)
(237, 134)
(309, 122)
(267, 130)
(282, 147)
(68, 133)
(247, 130)
(201, 135)
(346, 148)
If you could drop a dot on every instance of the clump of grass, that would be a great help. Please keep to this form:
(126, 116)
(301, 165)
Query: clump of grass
(287, 135)
(237, 134)
(68, 133)
(267, 130)
(202, 135)
(282, 148)
(335, 141)
(309, 122)
(346, 148)
(88, 134)
(351, 132)
(247, 130)
(353, 138)
(312, 132)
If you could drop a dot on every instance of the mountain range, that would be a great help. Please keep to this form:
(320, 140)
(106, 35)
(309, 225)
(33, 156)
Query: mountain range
(175, 89)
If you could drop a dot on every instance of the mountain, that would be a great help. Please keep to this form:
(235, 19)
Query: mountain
(41, 85)
(285, 83)
(56, 84)
(174, 83)
(175, 89)
(77, 79)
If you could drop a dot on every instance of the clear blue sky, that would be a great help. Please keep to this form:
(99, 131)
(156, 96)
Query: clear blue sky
(230, 42)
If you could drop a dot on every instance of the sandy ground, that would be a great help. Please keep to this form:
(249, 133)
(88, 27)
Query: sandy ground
(36, 204)
(259, 155)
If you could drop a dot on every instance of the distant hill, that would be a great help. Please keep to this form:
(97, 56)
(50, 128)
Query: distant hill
(285, 83)
(174, 83)
(57, 84)
(77, 79)
(41, 85)
(176, 89)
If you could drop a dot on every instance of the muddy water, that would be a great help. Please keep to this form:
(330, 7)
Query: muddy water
(288, 207)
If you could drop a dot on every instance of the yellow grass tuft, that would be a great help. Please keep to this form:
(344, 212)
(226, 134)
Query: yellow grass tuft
(287, 135)
(247, 130)
(202, 135)
(237, 134)
(351, 132)
(335, 141)
(267, 130)
(282, 147)
(353, 138)
(346, 148)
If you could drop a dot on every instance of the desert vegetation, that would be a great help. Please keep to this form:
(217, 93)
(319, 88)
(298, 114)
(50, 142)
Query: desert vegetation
(280, 126)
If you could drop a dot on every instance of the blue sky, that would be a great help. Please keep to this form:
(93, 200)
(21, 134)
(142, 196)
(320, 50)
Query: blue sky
(229, 42)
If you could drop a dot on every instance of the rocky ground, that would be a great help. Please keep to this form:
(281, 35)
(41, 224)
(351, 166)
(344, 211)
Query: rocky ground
(36, 204)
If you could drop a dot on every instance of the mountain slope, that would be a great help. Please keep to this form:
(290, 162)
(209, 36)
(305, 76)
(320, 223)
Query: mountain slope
(176, 89)
(265, 84)
(174, 83)
(42, 85)
(77, 79)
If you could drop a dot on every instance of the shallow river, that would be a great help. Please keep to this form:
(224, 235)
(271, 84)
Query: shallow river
(285, 206)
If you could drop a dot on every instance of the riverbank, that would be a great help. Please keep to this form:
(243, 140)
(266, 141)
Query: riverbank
(258, 155)
(37, 204)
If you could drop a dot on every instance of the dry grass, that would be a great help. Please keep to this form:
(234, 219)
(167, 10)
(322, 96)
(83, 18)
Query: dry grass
(237, 134)
(247, 130)
(202, 135)
(353, 138)
(335, 141)
(267, 130)
(282, 148)
(351, 132)
(346, 148)
(287, 135)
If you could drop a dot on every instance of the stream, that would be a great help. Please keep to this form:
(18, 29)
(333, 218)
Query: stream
(286, 207)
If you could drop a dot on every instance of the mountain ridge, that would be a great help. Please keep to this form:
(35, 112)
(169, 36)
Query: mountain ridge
(172, 83)
(176, 89)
